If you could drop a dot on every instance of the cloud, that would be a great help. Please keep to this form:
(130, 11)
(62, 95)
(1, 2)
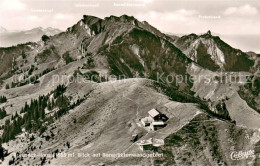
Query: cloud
(170, 21)
(245, 10)
(145, 1)
(178, 15)
(33, 18)
(12, 5)
(185, 12)
(172, 17)
(59, 16)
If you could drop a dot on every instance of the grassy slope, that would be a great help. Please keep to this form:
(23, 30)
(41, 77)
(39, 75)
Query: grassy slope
(206, 141)
(113, 107)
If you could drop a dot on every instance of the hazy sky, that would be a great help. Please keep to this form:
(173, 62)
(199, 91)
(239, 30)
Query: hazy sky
(175, 16)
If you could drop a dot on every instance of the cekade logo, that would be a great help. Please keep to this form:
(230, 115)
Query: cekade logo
(242, 155)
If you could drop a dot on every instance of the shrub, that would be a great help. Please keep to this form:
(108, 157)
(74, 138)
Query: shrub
(59, 90)
(67, 58)
(2, 113)
(3, 99)
(45, 38)
(24, 55)
(7, 86)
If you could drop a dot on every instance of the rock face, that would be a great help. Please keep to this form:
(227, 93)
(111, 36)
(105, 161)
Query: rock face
(95, 113)
(213, 53)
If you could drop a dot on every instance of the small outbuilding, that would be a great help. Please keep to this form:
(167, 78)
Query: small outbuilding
(158, 142)
(145, 144)
(155, 120)
(157, 125)
(146, 121)
(150, 144)
(154, 114)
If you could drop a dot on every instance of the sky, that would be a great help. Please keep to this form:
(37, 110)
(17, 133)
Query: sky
(225, 17)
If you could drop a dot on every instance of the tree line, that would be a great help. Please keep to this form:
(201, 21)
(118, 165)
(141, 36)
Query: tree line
(34, 117)
(32, 79)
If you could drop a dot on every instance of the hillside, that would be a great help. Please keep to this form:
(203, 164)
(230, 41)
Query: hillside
(111, 107)
(223, 87)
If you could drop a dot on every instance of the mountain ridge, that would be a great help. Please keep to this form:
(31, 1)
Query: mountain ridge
(217, 53)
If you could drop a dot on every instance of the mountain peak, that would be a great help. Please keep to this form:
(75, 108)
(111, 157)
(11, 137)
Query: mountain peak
(127, 18)
(38, 28)
(123, 18)
(2, 29)
(87, 19)
(219, 54)
(89, 25)
(208, 34)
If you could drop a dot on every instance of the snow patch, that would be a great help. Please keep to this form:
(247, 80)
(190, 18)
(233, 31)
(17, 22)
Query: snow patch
(198, 112)
(88, 30)
(135, 50)
(210, 94)
(32, 47)
(194, 67)
(215, 53)
(81, 23)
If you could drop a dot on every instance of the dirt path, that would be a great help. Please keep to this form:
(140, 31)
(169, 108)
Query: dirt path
(137, 104)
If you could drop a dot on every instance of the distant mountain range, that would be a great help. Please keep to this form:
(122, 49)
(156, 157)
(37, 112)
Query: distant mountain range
(11, 38)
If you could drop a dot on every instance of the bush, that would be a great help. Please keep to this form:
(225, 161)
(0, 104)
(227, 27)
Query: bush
(43, 129)
(90, 62)
(45, 38)
(32, 68)
(7, 86)
(59, 90)
(3, 99)
(24, 55)
(2, 152)
(67, 58)
(2, 113)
